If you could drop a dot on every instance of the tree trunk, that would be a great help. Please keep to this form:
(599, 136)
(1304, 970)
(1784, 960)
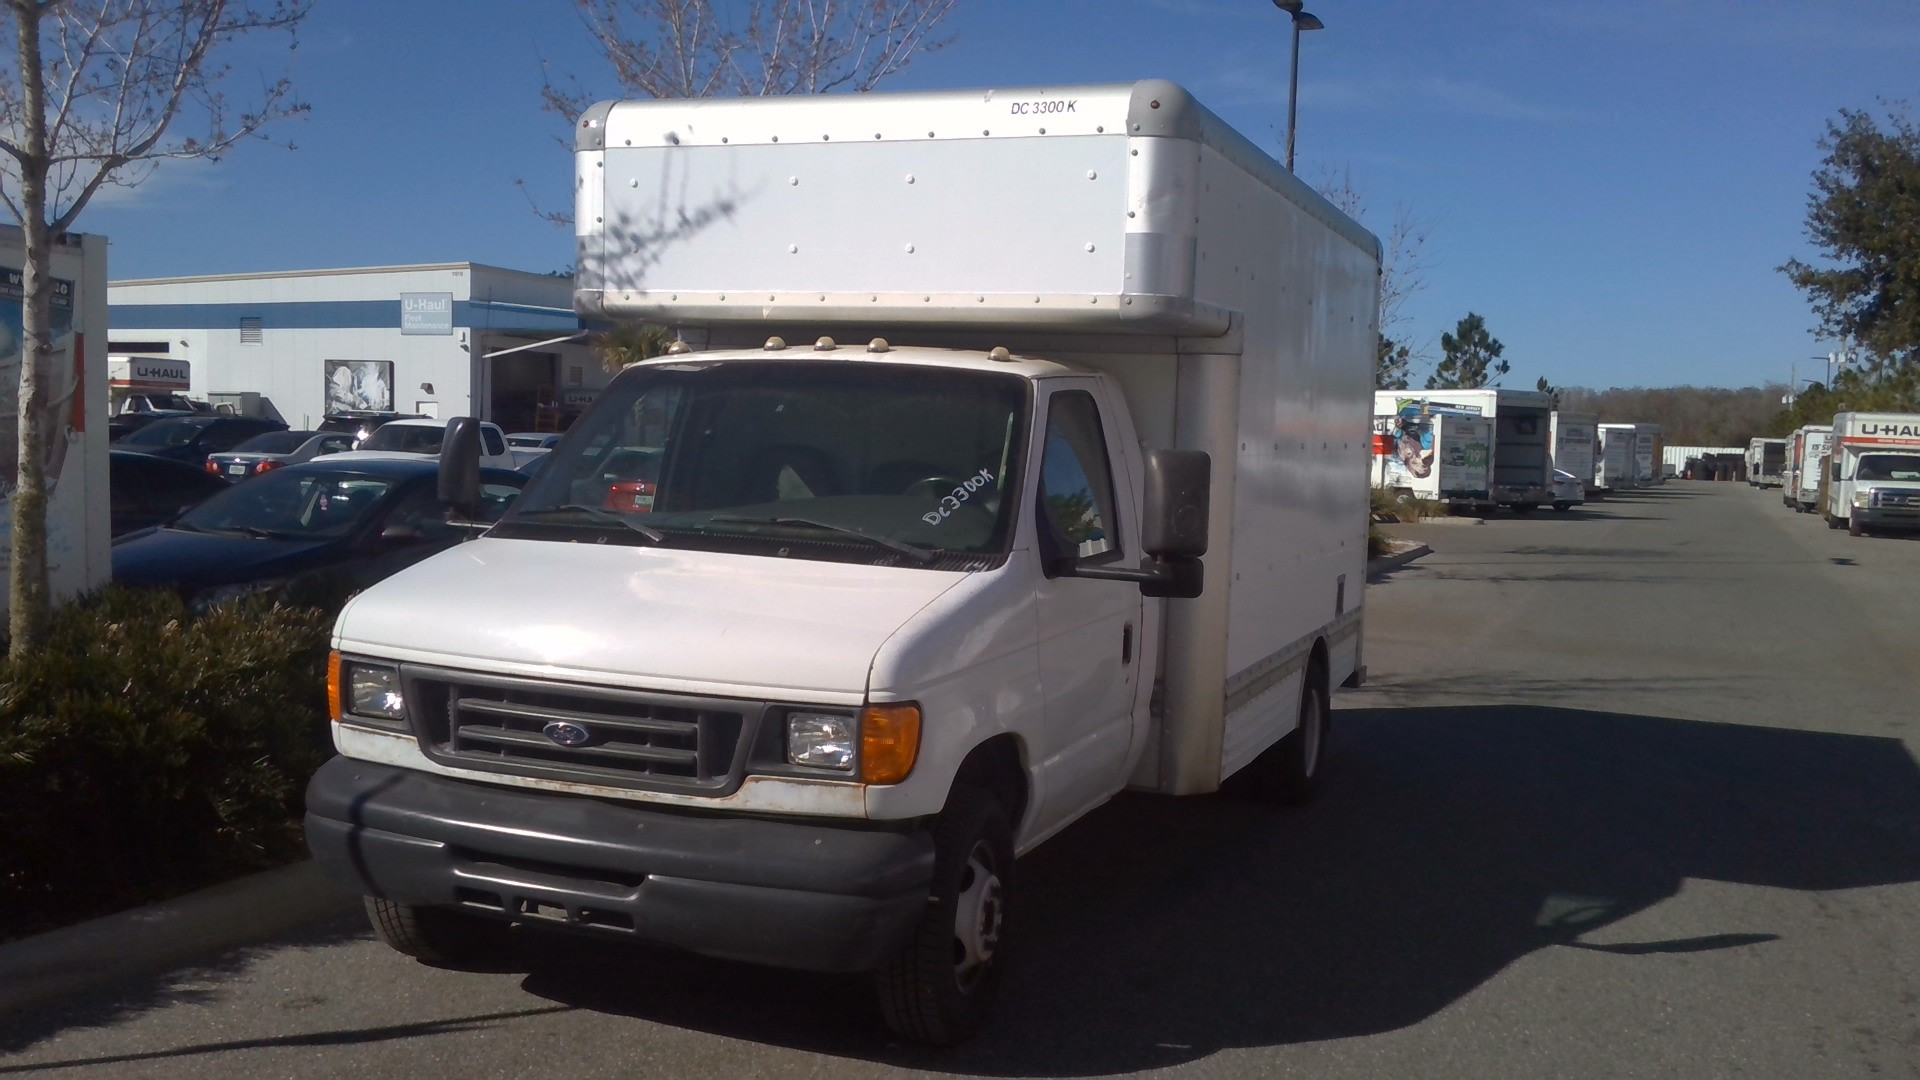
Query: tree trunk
(30, 605)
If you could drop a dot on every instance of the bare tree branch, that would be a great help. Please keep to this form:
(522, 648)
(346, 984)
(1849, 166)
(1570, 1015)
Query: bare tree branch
(92, 96)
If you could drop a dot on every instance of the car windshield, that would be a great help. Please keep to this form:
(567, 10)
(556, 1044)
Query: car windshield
(296, 503)
(1904, 467)
(406, 438)
(863, 460)
(179, 432)
(274, 442)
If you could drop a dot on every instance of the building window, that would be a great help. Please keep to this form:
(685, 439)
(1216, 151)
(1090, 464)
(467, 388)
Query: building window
(250, 331)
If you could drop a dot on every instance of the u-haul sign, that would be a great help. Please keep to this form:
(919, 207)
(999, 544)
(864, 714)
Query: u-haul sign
(149, 373)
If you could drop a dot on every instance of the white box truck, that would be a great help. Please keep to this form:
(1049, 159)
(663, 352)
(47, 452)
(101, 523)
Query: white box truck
(1873, 472)
(1649, 460)
(1806, 460)
(1432, 451)
(1522, 448)
(1617, 463)
(1576, 445)
(1014, 455)
(1766, 462)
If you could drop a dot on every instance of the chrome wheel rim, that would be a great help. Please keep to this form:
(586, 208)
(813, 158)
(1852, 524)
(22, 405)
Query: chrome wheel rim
(979, 912)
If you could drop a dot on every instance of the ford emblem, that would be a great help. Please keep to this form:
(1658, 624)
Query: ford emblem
(565, 734)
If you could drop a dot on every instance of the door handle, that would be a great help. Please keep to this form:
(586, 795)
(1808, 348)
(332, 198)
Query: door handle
(1126, 645)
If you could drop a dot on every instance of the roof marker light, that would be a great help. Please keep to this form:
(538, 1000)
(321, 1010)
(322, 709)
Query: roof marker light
(879, 344)
(678, 347)
(774, 344)
(825, 344)
(1000, 355)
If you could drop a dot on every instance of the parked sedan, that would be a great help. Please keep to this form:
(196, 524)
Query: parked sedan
(264, 453)
(311, 533)
(1568, 491)
(144, 491)
(192, 438)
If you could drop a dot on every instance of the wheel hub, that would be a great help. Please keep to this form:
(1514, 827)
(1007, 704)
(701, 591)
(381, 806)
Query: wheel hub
(978, 915)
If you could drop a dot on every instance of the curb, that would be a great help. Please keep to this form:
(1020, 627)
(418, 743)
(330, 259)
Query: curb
(149, 940)
(1384, 563)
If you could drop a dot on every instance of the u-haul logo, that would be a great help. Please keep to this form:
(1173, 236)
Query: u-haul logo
(1891, 431)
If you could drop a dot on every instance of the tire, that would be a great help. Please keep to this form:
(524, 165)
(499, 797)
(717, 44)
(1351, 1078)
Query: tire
(940, 987)
(441, 936)
(1563, 507)
(1832, 522)
(1854, 528)
(1288, 772)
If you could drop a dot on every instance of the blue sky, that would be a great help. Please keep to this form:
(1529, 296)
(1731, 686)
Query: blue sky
(1610, 184)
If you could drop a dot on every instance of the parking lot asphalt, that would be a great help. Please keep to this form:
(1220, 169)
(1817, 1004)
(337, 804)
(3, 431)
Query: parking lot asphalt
(1631, 792)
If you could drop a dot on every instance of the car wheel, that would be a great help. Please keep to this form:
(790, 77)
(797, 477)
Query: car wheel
(1832, 522)
(1854, 528)
(441, 936)
(941, 986)
(1563, 507)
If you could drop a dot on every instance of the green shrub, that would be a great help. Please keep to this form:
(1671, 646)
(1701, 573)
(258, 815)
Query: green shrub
(147, 752)
(1391, 506)
(1376, 542)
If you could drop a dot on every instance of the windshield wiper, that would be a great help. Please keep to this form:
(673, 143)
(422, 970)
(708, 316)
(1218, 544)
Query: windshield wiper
(259, 533)
(599, 515)
(888, 542)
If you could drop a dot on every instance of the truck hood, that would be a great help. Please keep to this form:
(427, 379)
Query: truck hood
(638, 616)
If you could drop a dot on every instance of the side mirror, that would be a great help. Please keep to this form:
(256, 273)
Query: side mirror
(1175, 501)
(459, 481)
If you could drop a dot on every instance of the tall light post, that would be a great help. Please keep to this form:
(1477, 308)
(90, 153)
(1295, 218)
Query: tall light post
(1301, 21)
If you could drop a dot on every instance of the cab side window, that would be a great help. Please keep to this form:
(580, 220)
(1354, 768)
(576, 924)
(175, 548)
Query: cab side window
(1076, 482)
(490, 438)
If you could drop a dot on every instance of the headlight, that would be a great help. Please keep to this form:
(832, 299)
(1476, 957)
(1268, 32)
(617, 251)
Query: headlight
(1863, 498)
(820, 740)
(374, 690)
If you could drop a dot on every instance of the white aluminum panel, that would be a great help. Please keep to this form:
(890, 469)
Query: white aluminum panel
(1030, 219)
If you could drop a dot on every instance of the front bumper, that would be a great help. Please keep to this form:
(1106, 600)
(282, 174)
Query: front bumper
(790, 894)
(1888, 517)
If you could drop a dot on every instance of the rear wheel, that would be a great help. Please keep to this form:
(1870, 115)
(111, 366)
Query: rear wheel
(941, 986)
(1832, 522)
(1288, 772)
(436, 935)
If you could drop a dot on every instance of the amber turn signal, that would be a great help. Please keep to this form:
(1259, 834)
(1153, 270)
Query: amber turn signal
(889, 742)
(333, 685)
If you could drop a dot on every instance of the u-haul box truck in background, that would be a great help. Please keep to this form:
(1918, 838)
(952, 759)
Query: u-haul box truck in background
(1433, 451)
(1806, 461)
(1873, 472)
(74, 418)
(1017, 455)
(1617, 467)
(1576, 444)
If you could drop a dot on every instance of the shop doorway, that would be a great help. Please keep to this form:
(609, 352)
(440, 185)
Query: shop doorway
(521, 383)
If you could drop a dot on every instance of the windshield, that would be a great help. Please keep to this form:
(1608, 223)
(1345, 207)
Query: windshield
(293, 504)
(831, 460)
(406, 438)
(167, 433)
(1889, 467)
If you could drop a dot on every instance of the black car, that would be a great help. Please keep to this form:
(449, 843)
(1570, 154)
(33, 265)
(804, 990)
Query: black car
(313, 532)
(144, 491)
(121, 425)
(192, 438)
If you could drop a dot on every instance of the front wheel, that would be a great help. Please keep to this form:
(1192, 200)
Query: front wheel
(1854, 528)
(440, 936)
(940, 987)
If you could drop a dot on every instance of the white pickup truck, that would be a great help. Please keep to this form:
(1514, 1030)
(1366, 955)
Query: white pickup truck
(1015, 455)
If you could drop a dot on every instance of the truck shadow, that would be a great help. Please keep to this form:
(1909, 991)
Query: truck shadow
(1449, 843)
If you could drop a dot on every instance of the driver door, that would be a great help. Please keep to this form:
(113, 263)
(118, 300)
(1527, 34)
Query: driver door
(1089, 631)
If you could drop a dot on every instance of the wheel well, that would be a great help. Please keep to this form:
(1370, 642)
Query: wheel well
(995, 765)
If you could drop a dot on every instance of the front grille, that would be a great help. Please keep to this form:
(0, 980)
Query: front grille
(656, 742)
(1898, 498)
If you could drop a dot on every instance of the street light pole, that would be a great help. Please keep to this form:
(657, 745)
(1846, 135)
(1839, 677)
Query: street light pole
(1301, 21)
